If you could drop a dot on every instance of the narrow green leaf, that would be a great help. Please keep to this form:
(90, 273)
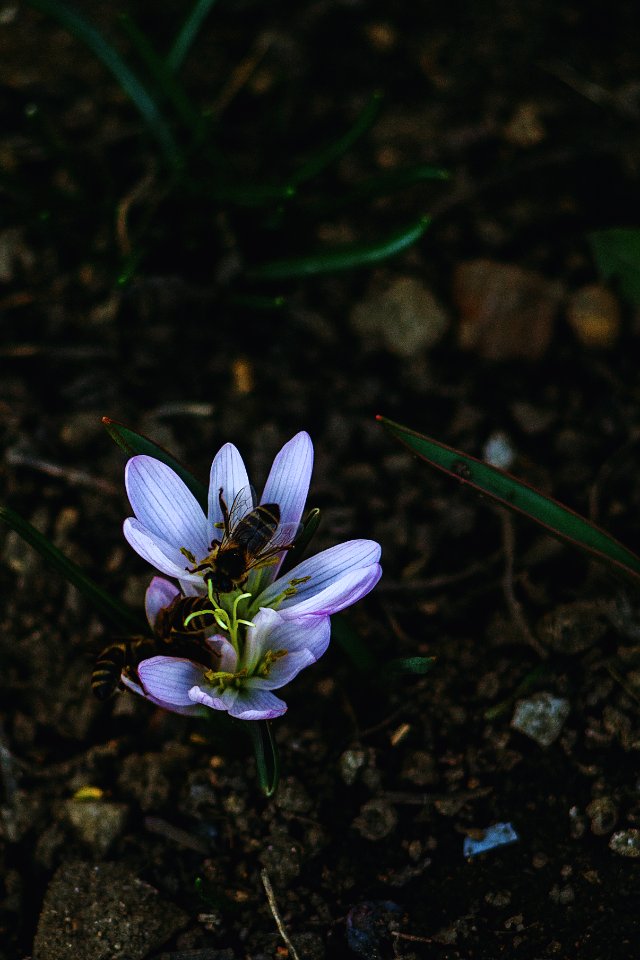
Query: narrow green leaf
(120, 615)
(255, 301)
(519, 496)
(389, 182)
(188, 34)
(314, 165)
(617, 254)
(135, 443)
(266, 753)
(416, 665)
(163, 77)
(83, 30)
(249, 194)
(345, 258)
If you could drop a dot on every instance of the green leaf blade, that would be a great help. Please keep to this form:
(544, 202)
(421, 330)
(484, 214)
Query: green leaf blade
(348, 257)
(134, 443)
(617, 254)
(120, 615)
(510, 492)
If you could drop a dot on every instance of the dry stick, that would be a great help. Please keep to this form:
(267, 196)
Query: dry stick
(264, 876)
(10, 789)
(508, 543)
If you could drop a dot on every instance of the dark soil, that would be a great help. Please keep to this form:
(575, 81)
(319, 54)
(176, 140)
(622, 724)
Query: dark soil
(129, 833)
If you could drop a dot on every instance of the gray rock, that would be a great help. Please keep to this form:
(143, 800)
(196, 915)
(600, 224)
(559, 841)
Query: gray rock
(541, 717)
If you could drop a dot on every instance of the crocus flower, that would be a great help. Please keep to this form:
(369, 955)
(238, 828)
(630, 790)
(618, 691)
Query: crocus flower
(272, 626)
(172, 533)
(244, 670)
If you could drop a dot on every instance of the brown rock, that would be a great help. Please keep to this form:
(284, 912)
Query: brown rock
(593, 313)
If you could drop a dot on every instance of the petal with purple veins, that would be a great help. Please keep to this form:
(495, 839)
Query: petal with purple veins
(160, 593)
(229, 473)
(170, 679)
(159, 553)
(164, 505)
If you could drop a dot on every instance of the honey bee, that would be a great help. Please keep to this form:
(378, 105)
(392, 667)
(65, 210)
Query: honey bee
(252, 537)
(173, 638)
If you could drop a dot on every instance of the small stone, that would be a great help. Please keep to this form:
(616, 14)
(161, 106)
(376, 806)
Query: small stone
(626, 843)
(505, 311)
(351, 762)
(541, 717)
(98, 823)
(573, 627)
(102, 912)
(603, 814)
(525, 128)
(376, 820)
(593, 313)
(498, 450)
(405, 318)
(292, 796)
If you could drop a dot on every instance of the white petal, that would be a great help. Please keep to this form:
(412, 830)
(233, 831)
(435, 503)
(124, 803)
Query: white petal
(160, 554)
(229, 473)
(289, 478)
(284, 670)
(250, 703)
(323, 570)
(163, 504)
(191, 711)
(206, 699)
(169, 679)
(338, 595)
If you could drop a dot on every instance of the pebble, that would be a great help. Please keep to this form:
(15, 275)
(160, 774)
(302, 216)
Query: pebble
(103, 912)
(593, 313)
(97, 822)
(376, 820)
(405, 318)
(626, 842)
(541, 717)
(603, 815)
(506, 312)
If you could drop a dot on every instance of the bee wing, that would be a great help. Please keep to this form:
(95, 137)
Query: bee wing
(284, 537)
(243, 503)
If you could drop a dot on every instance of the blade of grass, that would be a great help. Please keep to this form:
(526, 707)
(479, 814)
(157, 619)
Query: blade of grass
(393, 180)
(188, 33)
(83, 30)
(163, 77)
(352, 644)
(314, 165)
(136, 443)
(120, 615)
(266, 753)
(415, 665)
(520, 497)
(345, 258)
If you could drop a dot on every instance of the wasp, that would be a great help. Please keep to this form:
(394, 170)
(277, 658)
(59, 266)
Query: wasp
(252, 537)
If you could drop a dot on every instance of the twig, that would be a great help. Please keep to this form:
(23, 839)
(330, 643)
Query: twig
(77, 478)
(268, 889)
(10, 789)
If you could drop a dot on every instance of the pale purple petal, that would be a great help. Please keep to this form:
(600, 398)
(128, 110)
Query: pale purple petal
(289, 478)
(206, 699)
(337, 596)
(170, 679)
(224, 651)
(191, 711)
(160, 554)
(251, 703)
(159, 595)
(229, 472)
(275, 632)
(323, 570)
(163, 504)
(283, 670)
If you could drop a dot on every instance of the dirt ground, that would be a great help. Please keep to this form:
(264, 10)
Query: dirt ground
(127, 832)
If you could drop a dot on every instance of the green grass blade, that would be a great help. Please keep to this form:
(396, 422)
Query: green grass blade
(389, 182)
(344, 258)
(266, 753)
(188, 33)
(76, 24)
(519, 496)
(121, 616)
(249, 194)
(349, 639)
(162, 76)
(334, 151)
(136, 443)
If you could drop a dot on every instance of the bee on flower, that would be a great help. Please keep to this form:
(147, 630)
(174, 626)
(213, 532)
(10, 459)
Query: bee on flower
(264, 627)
